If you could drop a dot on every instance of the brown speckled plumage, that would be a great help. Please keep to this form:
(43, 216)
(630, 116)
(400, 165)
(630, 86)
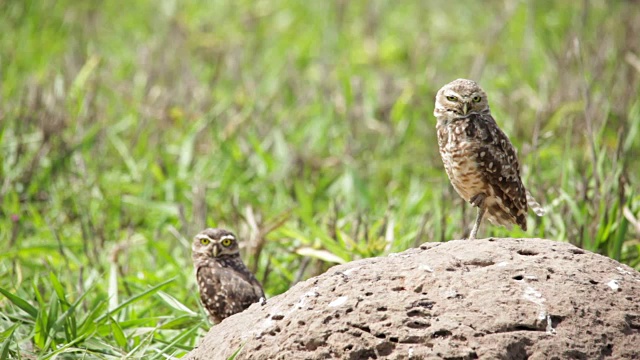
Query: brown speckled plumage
(479, 159)
(226, 285)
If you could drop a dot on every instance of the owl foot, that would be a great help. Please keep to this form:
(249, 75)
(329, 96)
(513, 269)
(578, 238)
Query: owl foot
(478, 200)
(476, 226)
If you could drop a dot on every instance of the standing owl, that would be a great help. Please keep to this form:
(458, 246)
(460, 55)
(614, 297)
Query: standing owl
(226, 285)
(479, 159)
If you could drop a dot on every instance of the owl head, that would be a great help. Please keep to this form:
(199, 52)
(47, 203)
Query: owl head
(460, 98)
(214, 243)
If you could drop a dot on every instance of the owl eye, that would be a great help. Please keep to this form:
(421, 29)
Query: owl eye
(476, 99)
(452, 98)
(205, 241)
(226, 242)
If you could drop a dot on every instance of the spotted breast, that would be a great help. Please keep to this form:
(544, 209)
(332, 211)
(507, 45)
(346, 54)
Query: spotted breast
(479, 158)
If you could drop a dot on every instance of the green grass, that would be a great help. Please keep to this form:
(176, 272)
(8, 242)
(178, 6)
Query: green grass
(304, 126)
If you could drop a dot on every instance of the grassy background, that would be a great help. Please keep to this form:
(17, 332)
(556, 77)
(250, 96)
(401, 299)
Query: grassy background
(304, 126)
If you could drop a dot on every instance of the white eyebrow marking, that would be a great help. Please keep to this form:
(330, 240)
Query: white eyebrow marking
(227, 237)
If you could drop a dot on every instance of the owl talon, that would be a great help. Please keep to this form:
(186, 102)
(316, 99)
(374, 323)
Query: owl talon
(476, 226)
(263, 301)
(478, 199)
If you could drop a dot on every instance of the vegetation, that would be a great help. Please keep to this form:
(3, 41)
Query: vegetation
(304, 126)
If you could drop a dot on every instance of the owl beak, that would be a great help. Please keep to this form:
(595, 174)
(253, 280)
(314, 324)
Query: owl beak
(216, 250)
(464, 108)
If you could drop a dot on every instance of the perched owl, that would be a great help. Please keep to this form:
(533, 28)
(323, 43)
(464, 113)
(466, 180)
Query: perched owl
(226, 285)
(479, 159)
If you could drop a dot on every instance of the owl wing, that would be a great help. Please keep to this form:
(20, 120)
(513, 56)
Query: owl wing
(250, 279)
(501, 170)
(226, 291)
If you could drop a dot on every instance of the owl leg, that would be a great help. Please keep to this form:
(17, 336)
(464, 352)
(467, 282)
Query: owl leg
(478, 201)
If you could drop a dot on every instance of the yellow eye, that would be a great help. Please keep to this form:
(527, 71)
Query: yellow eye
(452, 98)
(476, 99)
(226, 242)
(205, 241)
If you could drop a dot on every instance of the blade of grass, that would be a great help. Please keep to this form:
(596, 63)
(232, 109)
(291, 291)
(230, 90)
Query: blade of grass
(135, 298)
(4, 352)
(20, 302)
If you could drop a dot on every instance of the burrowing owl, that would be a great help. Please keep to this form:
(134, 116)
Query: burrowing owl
(226, 285)
(479, 158)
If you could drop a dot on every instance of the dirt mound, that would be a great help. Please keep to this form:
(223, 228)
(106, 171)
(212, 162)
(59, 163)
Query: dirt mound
(487, 299)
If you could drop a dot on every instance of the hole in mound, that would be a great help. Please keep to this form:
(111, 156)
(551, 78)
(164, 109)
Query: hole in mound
(301, 323)
(423, 303)
(385, 348)
(518, 349)
(593, 282)
(393, 339)
(349, 310)
(362, 327)
(522, 327)
(441, 334)
(277, 317)
(382, 308)
(381, 336)
(398, 288)
(416, 312)
(417, 324)
(575, 354)
(368, 293)
(480, 263)
(518, 277)
(418, 290)
(556, 320)
(363, 354)
(348, 347)
(633, 321)
(526, 252)
(576, 251)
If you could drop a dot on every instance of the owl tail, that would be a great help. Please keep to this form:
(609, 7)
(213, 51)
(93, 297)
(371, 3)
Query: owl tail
(533, 204)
